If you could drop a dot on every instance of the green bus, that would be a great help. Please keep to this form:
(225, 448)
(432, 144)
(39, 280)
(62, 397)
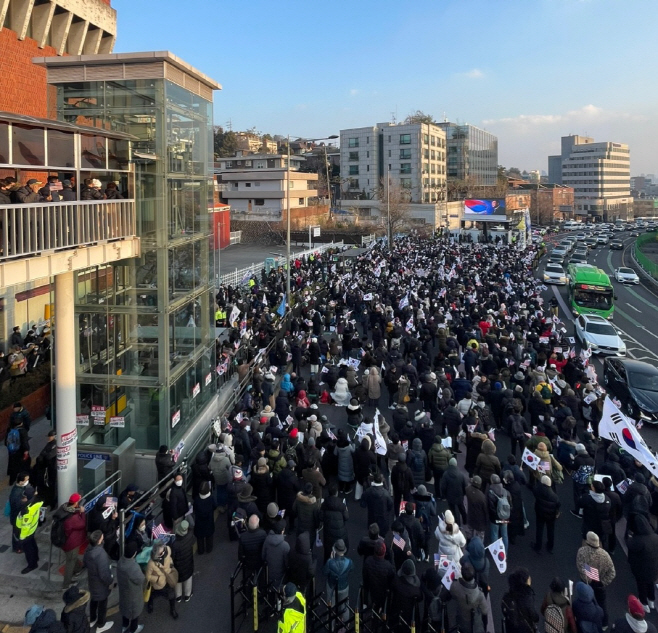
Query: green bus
(590, 290)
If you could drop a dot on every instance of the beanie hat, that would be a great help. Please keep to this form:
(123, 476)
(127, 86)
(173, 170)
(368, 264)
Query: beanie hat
(592, 539)
(408, 568)
(290, 590)
(293, 434)
(262, 462)
(477, 481)
(546, 480)
(635, 608)
(452, 462)
(449, 517)
(580, 448)
(272, 510)
(380, 548)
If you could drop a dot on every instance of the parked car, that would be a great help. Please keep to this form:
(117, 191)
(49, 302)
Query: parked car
(635, 384)
(599, 335)
(626, 275)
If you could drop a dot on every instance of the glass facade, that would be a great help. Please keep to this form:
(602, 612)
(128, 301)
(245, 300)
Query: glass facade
(146, 338)
(472, 153)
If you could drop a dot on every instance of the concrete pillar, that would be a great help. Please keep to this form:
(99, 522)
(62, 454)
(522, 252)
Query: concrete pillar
(65, 395)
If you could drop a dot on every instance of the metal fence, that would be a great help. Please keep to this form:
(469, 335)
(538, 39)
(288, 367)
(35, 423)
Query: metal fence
(236, 237)
(649, 267)
(31, 229)
(238, 275)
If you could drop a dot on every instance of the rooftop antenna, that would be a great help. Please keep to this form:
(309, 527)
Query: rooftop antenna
(445, 118)
(229, 125)
(394, 117)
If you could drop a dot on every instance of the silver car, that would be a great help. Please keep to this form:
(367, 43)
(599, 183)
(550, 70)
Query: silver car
(554, 274)
(598, 334)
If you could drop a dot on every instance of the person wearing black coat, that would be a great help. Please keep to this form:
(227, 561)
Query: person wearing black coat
(643, 559)
(164, 462)
(45, 472)
(379, 503)
(547, 510)
(453, 489)
(364, 459)
(97, 563)
(250, 547)
(400, 417)
(182, 555)
(517, 520)
(334, 515)
(263, 485)
(176, 504)
(107, 525)
(518, 604)
(201, 471)
(74, 615)
(596, 508)
(287, 487)
(405, 593)
(378, 577)
(301, 566)
(402, 482)
(204, 519)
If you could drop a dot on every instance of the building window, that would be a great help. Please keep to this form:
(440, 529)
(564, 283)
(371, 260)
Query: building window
(301, 202)
(260, 164)
(427, 197)
(354, 170)
(405, 139)
(405, 183)
(367, 167)
(433, 140)
(354, 183)
(291, 184)
(248, 163)
(426, 168)
(405, 154)
(426, 139)
(426, 154)
(367, 140)
(433, 155)
(353, 142)
(389, 153)
(405, 168)
(259, 202)
(228, 164)
(235, 185)
(247, 184)
(433, 168)
(354, 156)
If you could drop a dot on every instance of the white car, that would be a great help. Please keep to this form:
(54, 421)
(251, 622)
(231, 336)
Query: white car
(599, 335)
(626, 276)
(554, 274)
(602, 239)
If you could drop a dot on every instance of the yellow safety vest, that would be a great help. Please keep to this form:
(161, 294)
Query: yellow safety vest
(293, 621)
(28, 521)
(252, 283)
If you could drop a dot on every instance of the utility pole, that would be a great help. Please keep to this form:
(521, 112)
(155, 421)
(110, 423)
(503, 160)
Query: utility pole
(288, 227)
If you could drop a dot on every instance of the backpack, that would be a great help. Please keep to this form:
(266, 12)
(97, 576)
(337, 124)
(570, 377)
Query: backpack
(423, 517)
(503, 508)
(554, 621)
(13, 441)
(57, 532)
(545, 392)
(417, 464)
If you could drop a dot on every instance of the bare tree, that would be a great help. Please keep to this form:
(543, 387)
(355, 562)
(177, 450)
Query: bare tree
(419, 117)
(394, 204)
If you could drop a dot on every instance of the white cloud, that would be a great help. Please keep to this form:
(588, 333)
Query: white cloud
(587, 114)
(354, 92)
(475, 73)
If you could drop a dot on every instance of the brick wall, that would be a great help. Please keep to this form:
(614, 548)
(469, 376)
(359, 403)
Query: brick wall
(23, 87)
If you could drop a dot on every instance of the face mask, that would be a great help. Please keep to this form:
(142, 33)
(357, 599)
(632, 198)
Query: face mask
(179, 483)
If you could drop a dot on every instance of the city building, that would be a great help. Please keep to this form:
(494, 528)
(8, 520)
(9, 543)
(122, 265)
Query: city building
(253, 144)
(408, 159)
(548, 203)
(254, 185)
(645, 208)
(55, 27)
(472, 154)
(139, 335)
(599, 174)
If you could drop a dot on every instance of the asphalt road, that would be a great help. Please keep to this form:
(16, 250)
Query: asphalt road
(209, 610)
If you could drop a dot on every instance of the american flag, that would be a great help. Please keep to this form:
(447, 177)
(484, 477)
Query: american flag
(399, 541)
(591, 572)
(159, 531)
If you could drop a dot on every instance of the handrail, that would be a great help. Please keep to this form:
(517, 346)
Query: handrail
(31, 229)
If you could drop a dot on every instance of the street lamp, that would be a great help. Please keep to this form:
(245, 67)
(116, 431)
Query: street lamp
(311, 140)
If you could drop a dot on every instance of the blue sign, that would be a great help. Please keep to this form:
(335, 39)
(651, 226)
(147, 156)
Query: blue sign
(104, 456)
(90, 504)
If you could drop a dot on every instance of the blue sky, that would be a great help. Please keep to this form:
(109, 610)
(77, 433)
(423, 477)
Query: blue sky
(529, 71)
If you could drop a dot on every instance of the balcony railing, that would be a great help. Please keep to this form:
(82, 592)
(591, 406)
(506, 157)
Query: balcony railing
(27, 230)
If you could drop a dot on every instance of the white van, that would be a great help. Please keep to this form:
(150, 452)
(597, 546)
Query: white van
(572, 225)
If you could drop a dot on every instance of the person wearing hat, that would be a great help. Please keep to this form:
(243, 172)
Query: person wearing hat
(263, 484)
(547, 511)
(405, 593)
(472, 607)
(131, 582)
(275, 554)
(74, 615)
(91, 190)
(27, 523)
(477, 516)
(588, 613)
(337, 572)
(67, 194)
(163, 576)
(582, 471)
(634, 621)
(75, 529)
(292, 618)
(176, 504)
(182, 554)
(29, 193)
(306, 510)
(593, 555)
(247, 501)
(378, 576)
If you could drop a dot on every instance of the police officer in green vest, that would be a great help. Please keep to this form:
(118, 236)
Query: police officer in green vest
(27, 523)
(293, 612)
(220, 317)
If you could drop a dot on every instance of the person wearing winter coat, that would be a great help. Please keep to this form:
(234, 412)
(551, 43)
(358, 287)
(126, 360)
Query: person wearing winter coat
(182, 555)
(587, 612)
(643, 560)
(131, 581)
(438, 458)
(275, 555)
(176, 505)
(75, 529)
(100, 579)
(487, 464)
(337, 571)
(379, 503)
(373, 385)
(592, 554)
(287, 487)
(452, 419)
(261, 481)
(220, 465)
(425, 513)
(406, 592)
(364, 460)
(46, 622)
(402, 482)
(476, 556)
(301, 566)
(158, 573)
(378, 576)
(417, 462)
(414, 530)
(556, 595)
(204, 519)
(201, 471)
(518, 604)
(477, 517)
(314, 475)
(74, 615)
(516, 526)
(472, 608)
(306, 511)
(498, 525)
(634, 620)
(596, 509)
(453, 489)
(341, 395)
(451, 540)
(107, 524)
(334, 516)
(344, 449)
(547, 510)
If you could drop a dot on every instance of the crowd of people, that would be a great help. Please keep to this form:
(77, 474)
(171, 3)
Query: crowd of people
(54, 190)
(429, 385)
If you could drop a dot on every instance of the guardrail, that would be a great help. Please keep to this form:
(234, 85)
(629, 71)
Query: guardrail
(236, 237)
(649, 267)
(242, 275)
(27, 230)
(367, 239)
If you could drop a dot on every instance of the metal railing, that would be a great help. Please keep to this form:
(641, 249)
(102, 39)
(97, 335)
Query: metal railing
(367, 239)
(236, 237)
(649, 267)
(27, 230)
(238, 275)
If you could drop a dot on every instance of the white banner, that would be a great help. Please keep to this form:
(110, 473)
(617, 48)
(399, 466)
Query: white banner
(380, 444)
(615, 426)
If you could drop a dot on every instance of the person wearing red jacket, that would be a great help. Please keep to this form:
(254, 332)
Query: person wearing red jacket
(75, 529)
